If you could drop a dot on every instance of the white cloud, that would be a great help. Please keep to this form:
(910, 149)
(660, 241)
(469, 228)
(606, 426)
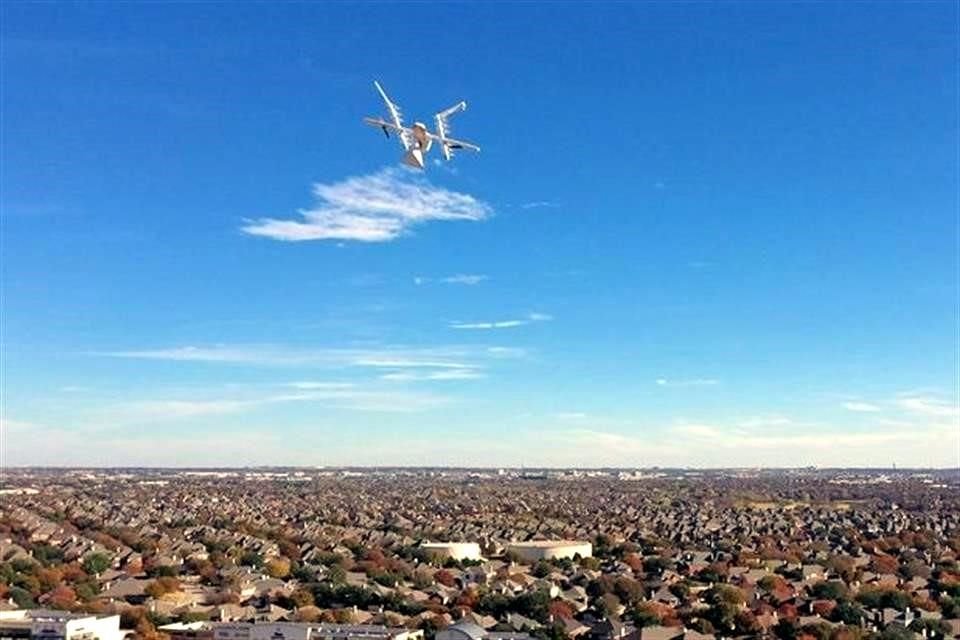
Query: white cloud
(693, 382)
(507, 352)
(449, 374)
(810, 440)
(929, 406)
(373, 208)
(310, 385)
(7, 424)
(756, 422)
(273, 355)
(503, 324)
(538, 204)
(861, 407)
(571, 415)
(468, 279)
(187, 408)
(371, 399)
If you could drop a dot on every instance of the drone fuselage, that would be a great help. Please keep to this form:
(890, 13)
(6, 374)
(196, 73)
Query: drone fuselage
(417, 139)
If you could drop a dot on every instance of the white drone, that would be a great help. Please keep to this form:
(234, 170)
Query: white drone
(417, 140)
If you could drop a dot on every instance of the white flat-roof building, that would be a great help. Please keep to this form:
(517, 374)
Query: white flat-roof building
(310, 631)
(455, 550)
(536, 550)
(46, 624)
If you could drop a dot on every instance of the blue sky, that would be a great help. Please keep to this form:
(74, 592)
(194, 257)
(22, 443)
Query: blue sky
(697, 234)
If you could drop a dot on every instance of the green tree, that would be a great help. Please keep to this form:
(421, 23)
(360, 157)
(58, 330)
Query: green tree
(96, 563)
(22, 598)
(896, 632)
(833, 590)
(251, 559)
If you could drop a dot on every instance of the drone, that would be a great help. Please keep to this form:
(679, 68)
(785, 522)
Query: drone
(417, 140)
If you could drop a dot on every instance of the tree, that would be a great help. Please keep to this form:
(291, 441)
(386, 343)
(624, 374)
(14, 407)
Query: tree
(87, 591)
(608, 605)
(554, 631)
(818, 630)
(444, 577)
(63, 597)
(534, 605)
(746, 623)
(628, 590)
(96, 563)
(308, 613)
(848, 613)
(251, 559)
(896, 632)
(302, 598)
(344, 616)
(49, 578)
(278, 567)
(47, 554)
(431, 625)
(884, 564)
(725, 593)
(785, 629)
(560, 609)
(336, 575)
(22, 598)
(634, 561)
(163, 570)
(833, 590)
(645, 616)
(916, 569)
(162, 586)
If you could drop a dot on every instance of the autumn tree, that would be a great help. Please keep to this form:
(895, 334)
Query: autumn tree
(445, 578)
(278, 567)
(62, 597)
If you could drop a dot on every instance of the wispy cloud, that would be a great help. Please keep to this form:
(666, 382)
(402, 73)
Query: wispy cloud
(503, 324)
(311, 385)
(929, 405)
(571, 415)
(506, 352)
(539, 204)
(861, 407)
(370, 399)
(735, 439)
(449, 374)
(691, 382)
(188, 408)
(272, 355)
(373, 208)
(6, 424)
(468, 279)
(386, 363)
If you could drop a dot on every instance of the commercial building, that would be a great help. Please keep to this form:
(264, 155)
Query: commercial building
(536, 550)
(310, 631)
(455, 550)
(44, 624)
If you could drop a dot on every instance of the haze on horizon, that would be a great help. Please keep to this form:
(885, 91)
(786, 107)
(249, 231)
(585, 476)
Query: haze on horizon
(698, 235)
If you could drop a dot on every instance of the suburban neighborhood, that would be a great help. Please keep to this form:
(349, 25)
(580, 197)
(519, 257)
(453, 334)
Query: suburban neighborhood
(340, 554)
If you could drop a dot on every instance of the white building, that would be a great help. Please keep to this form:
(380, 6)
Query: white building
(455, 550)
(536, 550)
(310, 631)
(44, 624)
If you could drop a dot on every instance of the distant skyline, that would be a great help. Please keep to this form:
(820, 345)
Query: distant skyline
(698, 235)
